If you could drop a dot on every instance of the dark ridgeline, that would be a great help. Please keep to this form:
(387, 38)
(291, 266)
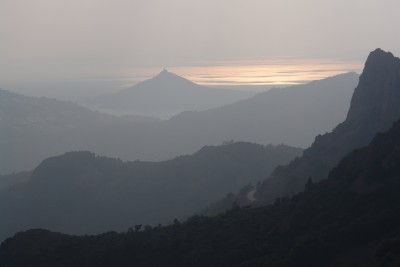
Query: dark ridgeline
(83, 194)
(374, 107)
(349, 219)
(47, 127)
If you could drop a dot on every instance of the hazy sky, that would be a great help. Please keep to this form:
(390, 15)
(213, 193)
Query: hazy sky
(79, 39)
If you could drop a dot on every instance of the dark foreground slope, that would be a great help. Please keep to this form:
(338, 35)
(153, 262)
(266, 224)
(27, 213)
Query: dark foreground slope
(350, 219)
(374, 107)
(80, 193)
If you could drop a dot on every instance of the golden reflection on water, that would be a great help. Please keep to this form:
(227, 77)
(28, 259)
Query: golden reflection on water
(260, 72)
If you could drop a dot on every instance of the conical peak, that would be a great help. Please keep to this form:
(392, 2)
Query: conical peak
(165, 73)
(167, 77)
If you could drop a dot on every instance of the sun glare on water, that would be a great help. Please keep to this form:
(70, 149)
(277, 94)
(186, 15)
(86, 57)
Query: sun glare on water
(271, 72)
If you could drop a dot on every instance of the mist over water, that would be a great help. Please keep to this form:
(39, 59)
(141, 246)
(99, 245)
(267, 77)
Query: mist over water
(243, 75)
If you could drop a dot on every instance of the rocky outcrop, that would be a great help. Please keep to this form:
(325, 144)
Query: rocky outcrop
(379, 88)
(374, 107)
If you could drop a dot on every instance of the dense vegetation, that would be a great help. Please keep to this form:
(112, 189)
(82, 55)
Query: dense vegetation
(350, 219)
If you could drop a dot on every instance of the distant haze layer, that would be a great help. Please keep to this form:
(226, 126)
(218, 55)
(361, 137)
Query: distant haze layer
(70, 40)
(246, 75)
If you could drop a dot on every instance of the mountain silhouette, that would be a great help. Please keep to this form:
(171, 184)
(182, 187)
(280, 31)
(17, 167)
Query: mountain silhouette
(78, 192)
(378, 91)
(349, 219)
(374, 107)
(32, 129)
(292, 115)
(166, 94)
